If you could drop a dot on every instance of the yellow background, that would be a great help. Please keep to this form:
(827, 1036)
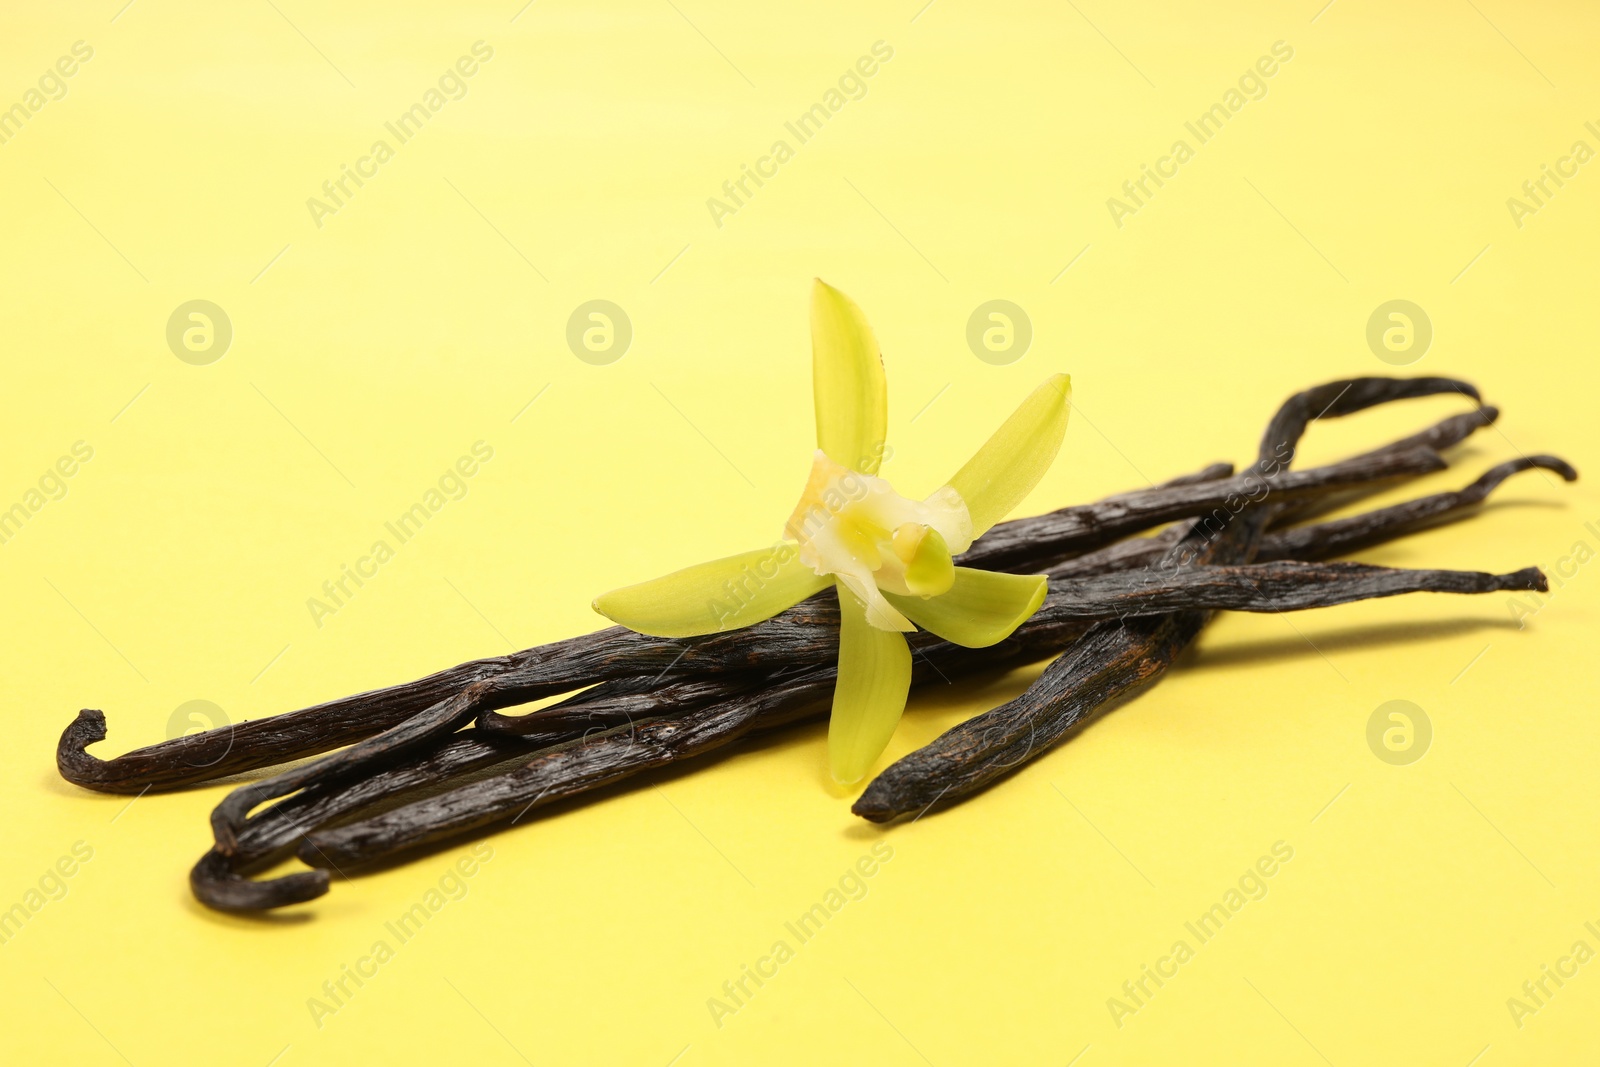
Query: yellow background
(371, 352)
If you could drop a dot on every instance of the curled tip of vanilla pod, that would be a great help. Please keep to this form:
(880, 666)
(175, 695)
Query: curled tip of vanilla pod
(72, 759)
(1492, 478)
(216, 885)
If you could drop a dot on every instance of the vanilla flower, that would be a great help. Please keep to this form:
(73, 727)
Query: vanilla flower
(890, 557)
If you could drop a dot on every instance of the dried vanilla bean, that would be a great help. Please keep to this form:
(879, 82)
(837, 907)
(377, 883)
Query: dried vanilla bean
(218, 880)
(569, 770)
(577, 767)
(601, 713)
(1093, 525)
(1341, 536)
(633, 703)
(1287, 585)
(616, 653)
(1396, 523)
(563, 772)
(1115, 661)
(437, 721)
(448, 715)
(572, 769)
(1438, 437)
(1331, 539)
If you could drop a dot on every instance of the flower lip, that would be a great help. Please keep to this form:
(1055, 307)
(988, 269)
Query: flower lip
(858, 529)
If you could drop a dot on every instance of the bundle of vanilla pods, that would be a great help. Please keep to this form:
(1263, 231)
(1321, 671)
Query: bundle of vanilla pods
(1133, 579)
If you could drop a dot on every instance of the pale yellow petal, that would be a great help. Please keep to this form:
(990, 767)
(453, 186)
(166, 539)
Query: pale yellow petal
(929, 572)
(880, 612)
(1010, 463)
(724, 594)
(870, 694)
(851, 396)
(982, 608)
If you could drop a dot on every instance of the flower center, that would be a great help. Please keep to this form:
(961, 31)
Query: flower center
(857, 528)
